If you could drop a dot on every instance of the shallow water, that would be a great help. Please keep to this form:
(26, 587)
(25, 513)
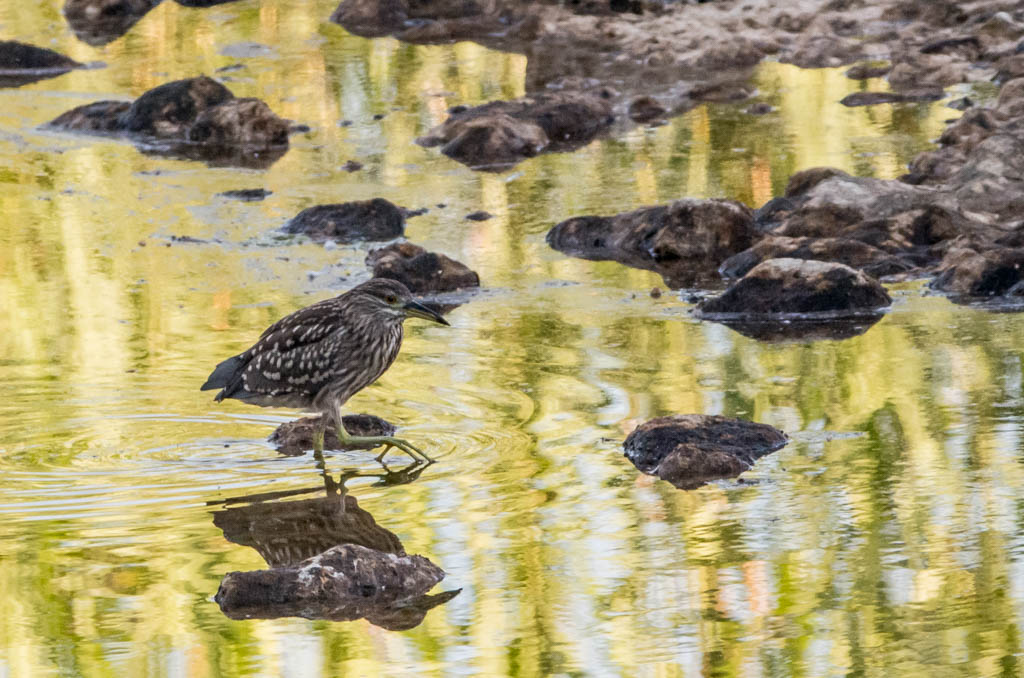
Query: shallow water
(884, 540)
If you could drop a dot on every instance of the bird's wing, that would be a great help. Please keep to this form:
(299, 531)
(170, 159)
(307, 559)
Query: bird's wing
(305, 367)
(289, 341)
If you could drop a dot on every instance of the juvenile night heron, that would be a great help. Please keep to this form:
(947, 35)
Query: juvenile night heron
(321, 355)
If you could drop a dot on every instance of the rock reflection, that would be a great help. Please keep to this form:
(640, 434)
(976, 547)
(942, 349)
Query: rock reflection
(803, 330)
(328, 559)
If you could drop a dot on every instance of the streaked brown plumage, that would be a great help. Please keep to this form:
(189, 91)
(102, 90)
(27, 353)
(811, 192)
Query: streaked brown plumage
(321, 355)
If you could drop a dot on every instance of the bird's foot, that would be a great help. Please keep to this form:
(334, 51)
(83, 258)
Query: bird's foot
(388, 441)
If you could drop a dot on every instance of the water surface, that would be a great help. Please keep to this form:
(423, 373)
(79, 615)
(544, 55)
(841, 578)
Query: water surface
(885, 540)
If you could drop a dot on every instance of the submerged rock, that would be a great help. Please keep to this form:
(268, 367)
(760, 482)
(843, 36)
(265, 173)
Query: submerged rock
(247, 194)
(194, 118)
(294, 438)
(500, 134)
(421, 271)
(798, 286)
(376, 219)
(21, 63)
(690, 450)
(343, 583)
(684, 241)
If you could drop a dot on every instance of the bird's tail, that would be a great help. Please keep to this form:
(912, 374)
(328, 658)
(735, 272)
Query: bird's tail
(223, 375)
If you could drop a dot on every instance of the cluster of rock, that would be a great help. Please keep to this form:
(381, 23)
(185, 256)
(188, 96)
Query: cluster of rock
(196, 118)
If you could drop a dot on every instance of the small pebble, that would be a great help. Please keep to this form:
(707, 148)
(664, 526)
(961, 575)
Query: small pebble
(352, 166)
(655, 293)
(479, 215)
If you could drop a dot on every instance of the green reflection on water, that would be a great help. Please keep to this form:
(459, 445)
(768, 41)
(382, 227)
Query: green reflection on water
(882, 541)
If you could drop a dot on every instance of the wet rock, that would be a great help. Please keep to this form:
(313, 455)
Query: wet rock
(479, 215)
(853, 253)
(875, 98)
(239, 122)
(98, 22)
(798, 286)
(502, 133)
(376, 219)
(101, 117)
(761, 108)
(421, 271)
(247, 194)
(683, 241)
(194, 118)
(169, 110)
(21, 63)
(646, 109)
(966, 272)
(866, 71)
(693, 449)
(344, 583)
(294, 438)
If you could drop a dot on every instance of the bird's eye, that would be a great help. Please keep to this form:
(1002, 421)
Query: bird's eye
(391, 299)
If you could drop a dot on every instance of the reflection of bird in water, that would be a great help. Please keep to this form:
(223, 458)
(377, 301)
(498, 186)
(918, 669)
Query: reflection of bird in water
(320, 356)
(372, 576)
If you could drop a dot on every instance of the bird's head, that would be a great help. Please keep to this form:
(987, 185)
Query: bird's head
(393, 299)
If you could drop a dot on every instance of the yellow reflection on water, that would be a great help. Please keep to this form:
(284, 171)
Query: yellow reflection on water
(883, 540)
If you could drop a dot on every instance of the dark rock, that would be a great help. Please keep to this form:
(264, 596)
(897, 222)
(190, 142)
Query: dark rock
(693, 449)
(247, 194)
(866, 71)
(874, 98)
(170, 110)
(853, 253)
(966, 272)
(352, 166)
(501, 133)
(371, 18)
(101, 117)
(375, 219)
(195, 118)
(97, 22)
(961, 104)
(684, 241)
(646, 109)
(797, 286)
(479, 215)
(421, 271)
(293, 438)
(21, 64)
(760, 108)
(239, 122)
(344, 583)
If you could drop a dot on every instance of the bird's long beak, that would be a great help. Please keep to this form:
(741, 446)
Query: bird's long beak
(415, 309)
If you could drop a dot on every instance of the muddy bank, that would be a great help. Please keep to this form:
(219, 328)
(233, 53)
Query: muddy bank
(198, 118)
(21, 63)
(656, 60)
(690, 450)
